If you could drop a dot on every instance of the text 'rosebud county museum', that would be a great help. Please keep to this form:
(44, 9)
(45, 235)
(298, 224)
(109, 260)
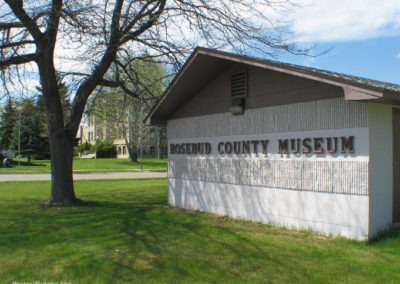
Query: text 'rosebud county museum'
(278, 143)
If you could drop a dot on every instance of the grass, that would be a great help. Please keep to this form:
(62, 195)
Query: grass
(124, 232)
(89, 165)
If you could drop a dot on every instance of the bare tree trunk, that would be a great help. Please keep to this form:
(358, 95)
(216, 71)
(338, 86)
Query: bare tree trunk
(159, 143)
(132, 150)
(61, 138)
(133, 155)
(62, 185)
(141, 158)
(139, 141)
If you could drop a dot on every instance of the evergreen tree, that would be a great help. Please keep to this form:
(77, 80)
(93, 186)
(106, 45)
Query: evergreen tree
(8, 120)
(28, 135)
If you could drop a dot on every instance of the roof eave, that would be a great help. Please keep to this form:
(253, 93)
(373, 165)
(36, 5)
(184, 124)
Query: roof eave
(148, 120)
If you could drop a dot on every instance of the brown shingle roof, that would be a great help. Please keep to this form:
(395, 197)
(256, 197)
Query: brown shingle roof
(344, 78)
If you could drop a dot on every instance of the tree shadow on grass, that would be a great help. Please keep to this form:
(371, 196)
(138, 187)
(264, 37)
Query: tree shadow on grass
(148, 234)
(138, 219)
(138, 234)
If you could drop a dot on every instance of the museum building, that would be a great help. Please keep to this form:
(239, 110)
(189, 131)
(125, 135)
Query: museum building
(278, 143)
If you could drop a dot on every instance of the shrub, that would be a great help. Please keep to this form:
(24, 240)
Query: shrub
(83, 147)
(106, 150)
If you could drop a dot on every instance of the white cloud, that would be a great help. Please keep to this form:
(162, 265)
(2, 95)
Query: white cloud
(343, 20)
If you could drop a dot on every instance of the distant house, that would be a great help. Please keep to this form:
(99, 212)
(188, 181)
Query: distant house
(278, 143)
(154, 144)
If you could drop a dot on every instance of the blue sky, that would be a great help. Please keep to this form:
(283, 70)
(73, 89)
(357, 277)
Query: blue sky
(376, 58)
(362, 36)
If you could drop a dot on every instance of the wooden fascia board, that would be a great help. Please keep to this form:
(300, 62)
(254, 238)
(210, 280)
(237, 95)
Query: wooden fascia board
(352, 93)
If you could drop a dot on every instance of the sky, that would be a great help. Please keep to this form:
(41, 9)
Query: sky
(361, 37)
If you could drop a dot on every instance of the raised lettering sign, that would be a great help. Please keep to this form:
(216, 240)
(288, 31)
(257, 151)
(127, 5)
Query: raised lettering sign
(295, 146)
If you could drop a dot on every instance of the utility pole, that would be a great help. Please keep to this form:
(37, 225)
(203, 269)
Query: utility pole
(19, 139)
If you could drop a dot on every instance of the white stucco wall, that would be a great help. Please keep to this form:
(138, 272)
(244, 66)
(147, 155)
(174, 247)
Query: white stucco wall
(323, 192)
(381, 163)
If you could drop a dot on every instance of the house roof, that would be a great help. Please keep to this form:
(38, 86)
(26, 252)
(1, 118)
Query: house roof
(205, 64)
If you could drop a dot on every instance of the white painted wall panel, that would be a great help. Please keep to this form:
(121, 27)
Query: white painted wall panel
(381, 167)
(335, 214)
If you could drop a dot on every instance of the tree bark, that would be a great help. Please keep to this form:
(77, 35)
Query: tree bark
(62, 185)
(61, 138)
(61, 141)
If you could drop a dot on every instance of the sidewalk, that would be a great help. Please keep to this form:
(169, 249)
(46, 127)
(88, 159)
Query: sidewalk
(83, 176)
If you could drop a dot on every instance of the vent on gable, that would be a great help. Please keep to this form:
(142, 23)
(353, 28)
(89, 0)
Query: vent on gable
(238, 92)
(239, 85)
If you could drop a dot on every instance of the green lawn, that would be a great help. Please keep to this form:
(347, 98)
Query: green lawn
(124, 232)
(90, 165)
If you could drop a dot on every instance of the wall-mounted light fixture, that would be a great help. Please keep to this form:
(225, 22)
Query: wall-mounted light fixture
(237, 106)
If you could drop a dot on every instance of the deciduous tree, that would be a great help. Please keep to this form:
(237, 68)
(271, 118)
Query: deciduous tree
(116, 109)
(90, 36)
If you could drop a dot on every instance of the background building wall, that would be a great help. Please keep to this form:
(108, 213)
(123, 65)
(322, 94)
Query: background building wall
(327, 193)
(153, 144)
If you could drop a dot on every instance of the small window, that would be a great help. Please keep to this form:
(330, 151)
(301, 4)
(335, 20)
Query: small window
(163, 132)
(152, 133)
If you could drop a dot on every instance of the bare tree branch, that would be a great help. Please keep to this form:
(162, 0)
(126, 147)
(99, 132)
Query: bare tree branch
(20, 13)
(7, 26)
(53, 23)
(16, 44)
(91, 82)
(152, 16)
(17, 60)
